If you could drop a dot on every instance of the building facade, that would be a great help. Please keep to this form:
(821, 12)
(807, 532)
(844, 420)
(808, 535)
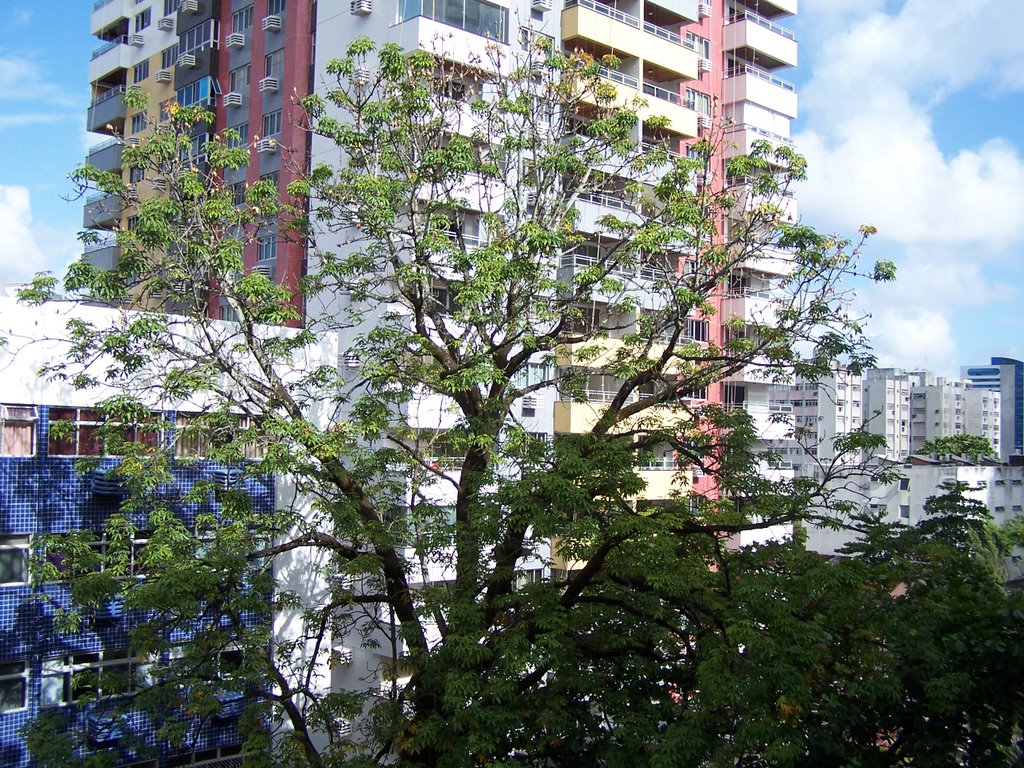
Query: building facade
(1005, 376)
(245, 60)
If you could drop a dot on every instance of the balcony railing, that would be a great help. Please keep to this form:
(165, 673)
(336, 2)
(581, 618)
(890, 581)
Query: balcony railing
(749, 293)
(650, 146)
(659, 464)
(736, 69)
(608, 201)
(633, 21)
(761, 21)
(577, 260)
(95, 148)
(110, 45)
(662, 93)
(776, 137)
(618, 77)
(100, 244)
(100, 3)
(116, 91)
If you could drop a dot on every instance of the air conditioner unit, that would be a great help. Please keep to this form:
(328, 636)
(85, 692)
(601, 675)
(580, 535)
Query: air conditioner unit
(266, 146)
(530, 401)
(704, 122)
(272, 24)
(342, 655)
(233, 99)
(166, 24)
(361, 77)
(361, 7)
(189, 6)
(187, 61)
(704, 65)
(235, 40)
(541, 5)
(269, 85)
(163, 76)
(351, 360)
(132, 141)
(136, 40)
(263, 269)
(531, 199)
(159, 184)
(704, 9)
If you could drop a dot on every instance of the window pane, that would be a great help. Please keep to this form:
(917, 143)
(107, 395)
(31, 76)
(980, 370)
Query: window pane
(13, 568)
(12, 694)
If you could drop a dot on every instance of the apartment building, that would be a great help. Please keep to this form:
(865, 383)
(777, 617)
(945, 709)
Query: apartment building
(942, 406)
(887, 409)
(1005, 376)
(245, 60)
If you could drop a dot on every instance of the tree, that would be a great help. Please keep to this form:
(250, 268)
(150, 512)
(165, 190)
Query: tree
(522, 605)
(971, 446)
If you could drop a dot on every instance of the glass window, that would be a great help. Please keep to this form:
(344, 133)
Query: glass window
(74, 432)
(17, 430)
(170, 6)
(138, 122)
(701, 45)
(267, 250)
(272, 124)
(474, 16)
(66, 679)
(273, 63)
(698, 102)
(242, 129)
(240, 79)
(241, 20)
(140, 72)
(14, 559)
(13, 679)
(198, 38)
(169, 56)
(276, 7)
(135, 175)
(143, 20)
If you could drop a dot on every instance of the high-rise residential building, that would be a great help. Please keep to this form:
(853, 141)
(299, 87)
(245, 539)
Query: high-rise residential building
(941, 406)
(1006, 376)
(246, 60)
(886, 411)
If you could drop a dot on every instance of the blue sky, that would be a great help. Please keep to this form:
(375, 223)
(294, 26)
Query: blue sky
(912, 120)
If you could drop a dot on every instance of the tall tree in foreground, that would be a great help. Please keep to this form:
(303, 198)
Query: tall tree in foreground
(471, 593)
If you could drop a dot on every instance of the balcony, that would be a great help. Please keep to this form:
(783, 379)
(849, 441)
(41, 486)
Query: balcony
(745, 82)
(107, 112)
(613, 30)
(106, 13)
(685, 8)
(103, 254)
(581, 417)
(105, 156)
(111, 56)
(772, 9)
(741, 137)
(102, 211)
(754, 306)
(756, 39)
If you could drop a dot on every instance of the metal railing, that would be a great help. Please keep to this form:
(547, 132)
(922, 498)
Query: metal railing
(777, 137)
(672, 37)
(736, 69)
(608, 201)
(119, 90)
(97, 197)
(100, 244)
(96, 148)
(650, 146)
(761, 21)
(576, 259)
(662, 93)
(618, 77)
(100, 3)
(110, 45)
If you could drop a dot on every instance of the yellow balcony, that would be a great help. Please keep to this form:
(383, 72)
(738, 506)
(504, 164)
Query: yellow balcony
(613, 31)
(581, 417)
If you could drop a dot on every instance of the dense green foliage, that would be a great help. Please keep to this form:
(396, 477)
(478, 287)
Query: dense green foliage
(645, 640)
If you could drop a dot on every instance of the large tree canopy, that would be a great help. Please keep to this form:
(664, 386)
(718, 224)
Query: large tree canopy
(523, 602)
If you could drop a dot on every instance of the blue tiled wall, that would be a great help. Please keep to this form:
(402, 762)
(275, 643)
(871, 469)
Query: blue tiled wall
(40, 494)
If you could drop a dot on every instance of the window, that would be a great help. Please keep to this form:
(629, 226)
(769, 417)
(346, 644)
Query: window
(904, 511)
(135, 175)
(241, 20)
(143, 20)
(533, 373)
(140, 72)
(14, 559)
(66, 679)
(165, 110)
(272, 124)
(198, 38)
(443, 299)
(238, 193)
(74, 432)
(267, 248)
(133, 223)
(273, 63)
(242, 129)
(13, 683)
(195, 439)
(17, 430)
(201, 93)
(240, 79)
(473, 16)
(169, 57)
(698, 102)
(696, 330)
(275, 7)
(701, 45)
(138, 122)
(274, 178)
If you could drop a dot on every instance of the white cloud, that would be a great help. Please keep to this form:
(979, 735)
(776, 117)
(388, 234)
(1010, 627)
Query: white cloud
(24, 248)
(20, 17)
(949, 218)
(34, 118)
(21, 79)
